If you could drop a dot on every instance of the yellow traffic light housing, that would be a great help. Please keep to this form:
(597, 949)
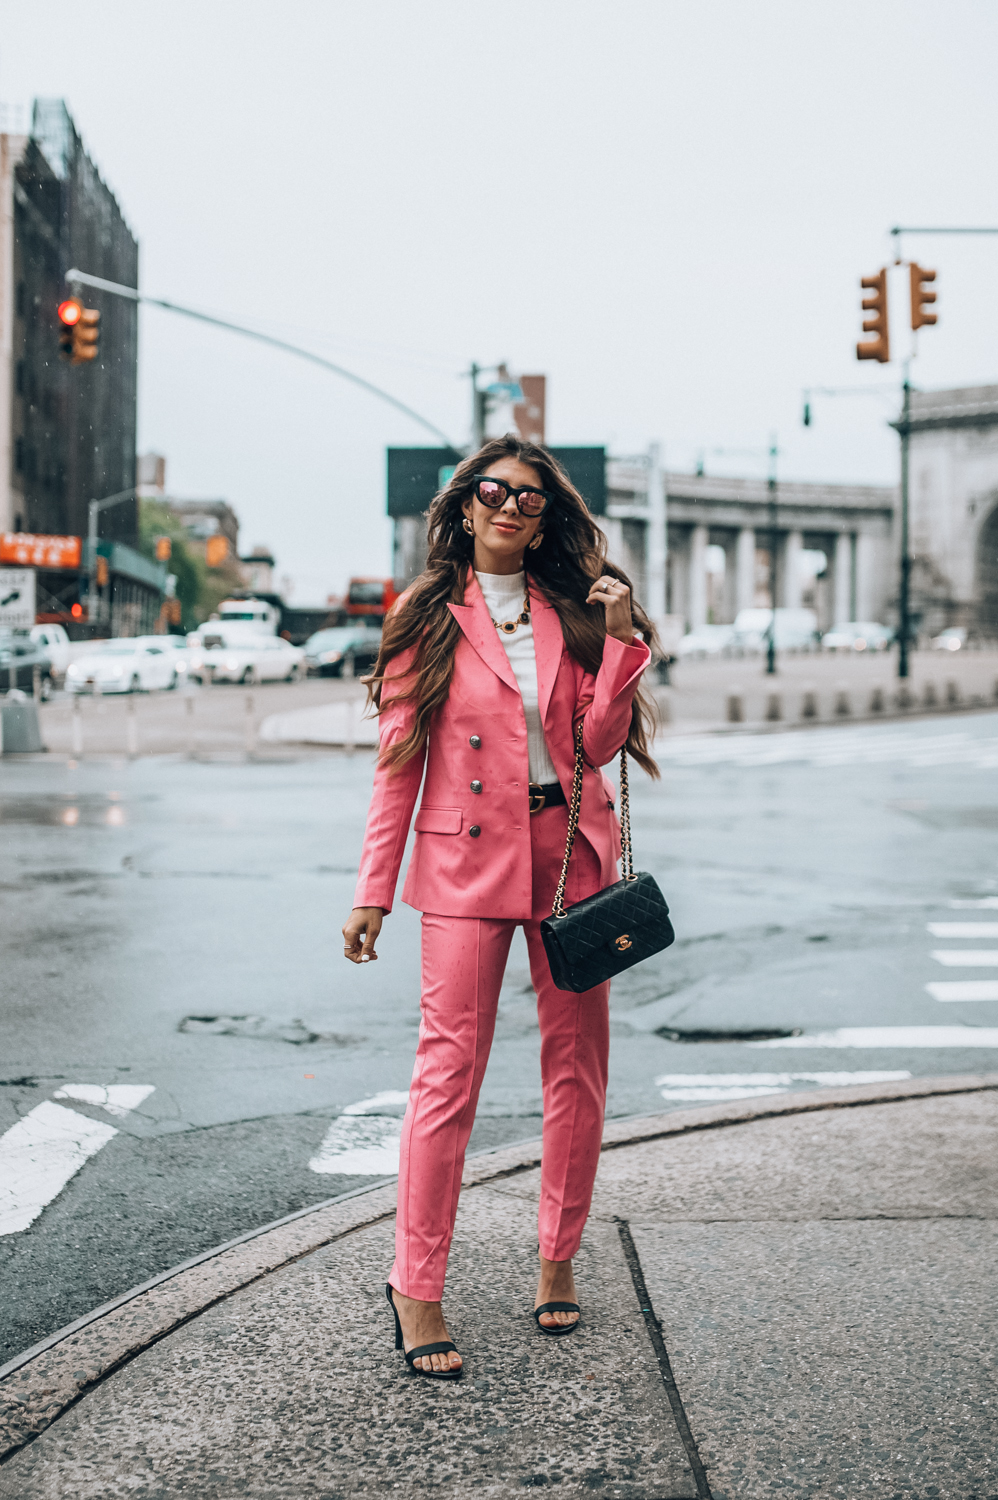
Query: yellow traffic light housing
(86, 336)
(920, 297)
(878, 348)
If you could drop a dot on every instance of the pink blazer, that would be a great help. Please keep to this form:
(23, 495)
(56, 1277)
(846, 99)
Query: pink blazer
(472, 853)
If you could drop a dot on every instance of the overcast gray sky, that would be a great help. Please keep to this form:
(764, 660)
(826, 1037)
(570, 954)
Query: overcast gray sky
(665, 207)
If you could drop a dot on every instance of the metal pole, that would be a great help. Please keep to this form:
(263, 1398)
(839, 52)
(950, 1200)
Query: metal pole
(771, 642)
(904, 597)
(76, 278)
(478, 400)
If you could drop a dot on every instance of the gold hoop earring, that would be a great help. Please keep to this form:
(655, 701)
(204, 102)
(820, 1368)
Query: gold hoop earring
(536, 542)
(468, 527)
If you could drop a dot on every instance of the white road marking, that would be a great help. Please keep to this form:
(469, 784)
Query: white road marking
(717, 1087)
(980, 903)
(963, 929)
(117, 1098)
(867, 745)
(360, 1142)
(964, 989)
(891, 1037)
(966, 958)
(39, 1155)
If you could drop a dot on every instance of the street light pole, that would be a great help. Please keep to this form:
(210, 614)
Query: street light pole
(771, 484)
(93, 511)
(904, 599)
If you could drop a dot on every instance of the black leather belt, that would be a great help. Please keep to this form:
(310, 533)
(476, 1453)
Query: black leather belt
(549, 795)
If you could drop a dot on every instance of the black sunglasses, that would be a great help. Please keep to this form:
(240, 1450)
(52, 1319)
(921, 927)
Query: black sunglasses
(495, 492)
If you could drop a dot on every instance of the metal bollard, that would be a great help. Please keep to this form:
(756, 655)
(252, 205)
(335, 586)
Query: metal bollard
(843, 708)
(809, 704)
(905, 698)
(929, 698)
(36, 683)
(877, 701)
(952, 694)
(77, 727)
(736, 707)
(191, 735)
(132, 730)
(774, 708)
(250, 725)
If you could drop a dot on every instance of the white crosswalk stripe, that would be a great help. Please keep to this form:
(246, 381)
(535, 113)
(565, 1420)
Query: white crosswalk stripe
(867, 745)
(966, 958)
(361, 1142)
(963, 929)
(963, 989)
(48, 1146)
(890, 1037)
(715, 1088)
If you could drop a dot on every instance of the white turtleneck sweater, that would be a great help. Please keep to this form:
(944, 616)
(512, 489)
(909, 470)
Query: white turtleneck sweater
(504, 600)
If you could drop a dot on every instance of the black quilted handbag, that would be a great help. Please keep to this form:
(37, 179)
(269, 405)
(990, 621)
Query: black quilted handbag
(607, 933)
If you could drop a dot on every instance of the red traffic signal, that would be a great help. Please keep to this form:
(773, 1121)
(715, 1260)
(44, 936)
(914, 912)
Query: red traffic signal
(920, 298)
(79, 335)
(878, 348)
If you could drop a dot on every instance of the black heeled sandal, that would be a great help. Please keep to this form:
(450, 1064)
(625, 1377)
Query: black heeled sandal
(423, 1349)
(553, 1307)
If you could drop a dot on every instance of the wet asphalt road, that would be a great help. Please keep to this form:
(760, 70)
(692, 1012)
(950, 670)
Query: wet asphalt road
(146, 904)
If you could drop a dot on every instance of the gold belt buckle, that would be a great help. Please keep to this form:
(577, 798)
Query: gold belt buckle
(536, 794)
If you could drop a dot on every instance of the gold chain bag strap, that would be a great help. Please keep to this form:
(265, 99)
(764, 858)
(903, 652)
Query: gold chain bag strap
(590, 941)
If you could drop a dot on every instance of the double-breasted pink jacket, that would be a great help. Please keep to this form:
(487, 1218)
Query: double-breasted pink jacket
(472, 855)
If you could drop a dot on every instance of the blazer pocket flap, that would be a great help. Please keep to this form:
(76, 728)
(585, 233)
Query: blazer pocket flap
(438, 820)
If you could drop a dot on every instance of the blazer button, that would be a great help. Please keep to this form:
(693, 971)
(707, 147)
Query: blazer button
(475, 742)
(474, 830)
(476, 786)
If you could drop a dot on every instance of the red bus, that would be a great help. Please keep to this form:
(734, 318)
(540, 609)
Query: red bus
(371, 596)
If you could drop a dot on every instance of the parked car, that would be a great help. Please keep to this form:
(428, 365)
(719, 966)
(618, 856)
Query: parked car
(329, 651)
(707, 640)
(796, 629)
(268, 658)
(53, 640)
(174, 644)
(137, 664)
(858, 635)
(953, 639)
(19, 656)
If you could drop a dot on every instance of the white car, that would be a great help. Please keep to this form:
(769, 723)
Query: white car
(707, 640)
(268, 658)
(796, 629)
(953, 639)
(857, 635)
(57, 646)
(123, 666)
(176, 645)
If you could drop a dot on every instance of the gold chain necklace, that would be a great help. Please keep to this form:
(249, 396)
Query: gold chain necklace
(510, 627)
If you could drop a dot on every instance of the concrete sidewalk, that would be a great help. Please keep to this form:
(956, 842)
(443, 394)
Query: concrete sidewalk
(792, 1295)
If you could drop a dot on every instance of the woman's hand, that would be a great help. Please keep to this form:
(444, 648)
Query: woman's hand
(360, 933)
(616, 596)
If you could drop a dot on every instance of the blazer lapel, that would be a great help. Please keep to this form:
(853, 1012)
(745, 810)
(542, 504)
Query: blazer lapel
(548, 646)
(476, 622)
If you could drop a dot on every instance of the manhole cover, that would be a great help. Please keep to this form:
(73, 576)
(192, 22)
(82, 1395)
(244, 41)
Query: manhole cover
(711, 1034)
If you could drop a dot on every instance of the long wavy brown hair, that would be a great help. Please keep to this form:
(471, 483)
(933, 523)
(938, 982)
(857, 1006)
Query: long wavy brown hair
(572, 556)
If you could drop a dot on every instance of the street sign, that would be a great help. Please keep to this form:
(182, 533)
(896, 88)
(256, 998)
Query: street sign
(40, 551)
(17, 598)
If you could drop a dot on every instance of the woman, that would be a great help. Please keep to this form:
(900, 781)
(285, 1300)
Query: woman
(517, 630)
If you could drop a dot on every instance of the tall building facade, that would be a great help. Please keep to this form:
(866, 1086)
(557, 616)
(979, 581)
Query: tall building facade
(67, 432)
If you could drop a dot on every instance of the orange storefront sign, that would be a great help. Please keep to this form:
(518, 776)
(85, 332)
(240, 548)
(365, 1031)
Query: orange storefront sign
(40, 551)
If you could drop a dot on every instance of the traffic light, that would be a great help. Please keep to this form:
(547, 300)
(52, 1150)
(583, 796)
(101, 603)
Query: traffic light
(79, 336)
(163, 548)
(103, 573)
(920, 298)
(70, 313)
(216, 551)
(86, 337)
(878, 348)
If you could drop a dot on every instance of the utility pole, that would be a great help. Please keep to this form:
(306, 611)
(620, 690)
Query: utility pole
(771, 485)
(904, 598)
(479, 406)
(93, 512)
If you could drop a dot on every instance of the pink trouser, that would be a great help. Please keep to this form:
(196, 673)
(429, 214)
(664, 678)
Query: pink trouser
(463, 961)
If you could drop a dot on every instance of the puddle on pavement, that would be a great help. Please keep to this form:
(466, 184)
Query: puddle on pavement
(260, 1028)
(710, 1034)
(88, 810)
